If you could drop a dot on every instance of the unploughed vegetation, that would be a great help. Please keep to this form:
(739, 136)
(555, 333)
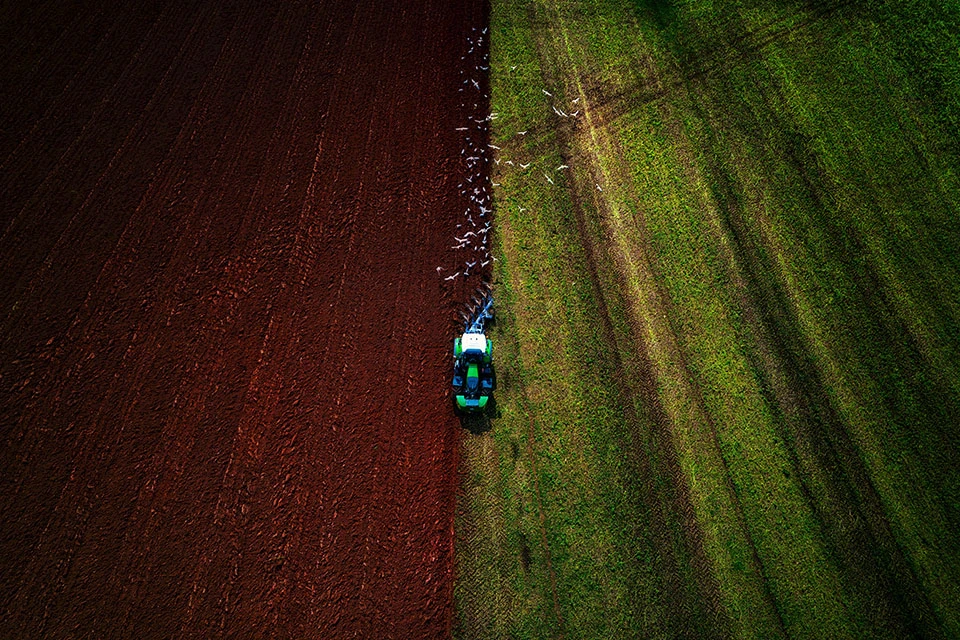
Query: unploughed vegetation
(729, 333)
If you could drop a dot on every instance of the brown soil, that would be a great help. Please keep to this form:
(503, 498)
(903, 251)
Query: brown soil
(224, 341)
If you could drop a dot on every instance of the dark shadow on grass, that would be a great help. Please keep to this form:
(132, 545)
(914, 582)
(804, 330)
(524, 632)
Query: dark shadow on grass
(479, 423)
(663, 13)
(476, 424)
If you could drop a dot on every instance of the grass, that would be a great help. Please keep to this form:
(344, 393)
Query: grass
(730, 330)
(561, 411)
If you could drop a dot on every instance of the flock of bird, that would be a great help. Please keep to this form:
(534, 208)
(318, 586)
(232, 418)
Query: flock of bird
(473, 234)
(560, 113)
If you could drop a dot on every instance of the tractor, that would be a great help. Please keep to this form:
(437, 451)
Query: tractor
(474, 378)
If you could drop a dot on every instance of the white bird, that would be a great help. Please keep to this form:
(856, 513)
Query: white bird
(493, 146)
(521, 133)
(563, 166)
(548, 178)
(461, 129)
(439, 269)
(524, 166)
(575, 101)
(496, 184)
(475, 83)
(547, 92)
(574, 114)
(598, 188)
(453, 276)
(484, 263)
(471, 264)
(510, 162)
(522, 209)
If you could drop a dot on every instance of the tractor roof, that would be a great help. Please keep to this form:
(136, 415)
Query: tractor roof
(471, 341)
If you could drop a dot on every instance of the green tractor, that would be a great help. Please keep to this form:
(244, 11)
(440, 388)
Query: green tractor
(474, 378)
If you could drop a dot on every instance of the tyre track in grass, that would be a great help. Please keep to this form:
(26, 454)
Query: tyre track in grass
(695, 604)
(712, 63)
(834, 479)
(666, 368)
(192, 441)
(830, 473)
(834, 483)
(833, 476)
(610, 151)
(684, 613)
(669, 504)
(610, 107)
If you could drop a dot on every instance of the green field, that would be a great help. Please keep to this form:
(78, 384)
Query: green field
(729, 332)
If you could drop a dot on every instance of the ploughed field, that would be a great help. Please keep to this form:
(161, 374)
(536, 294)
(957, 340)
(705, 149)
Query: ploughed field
(224, 345)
